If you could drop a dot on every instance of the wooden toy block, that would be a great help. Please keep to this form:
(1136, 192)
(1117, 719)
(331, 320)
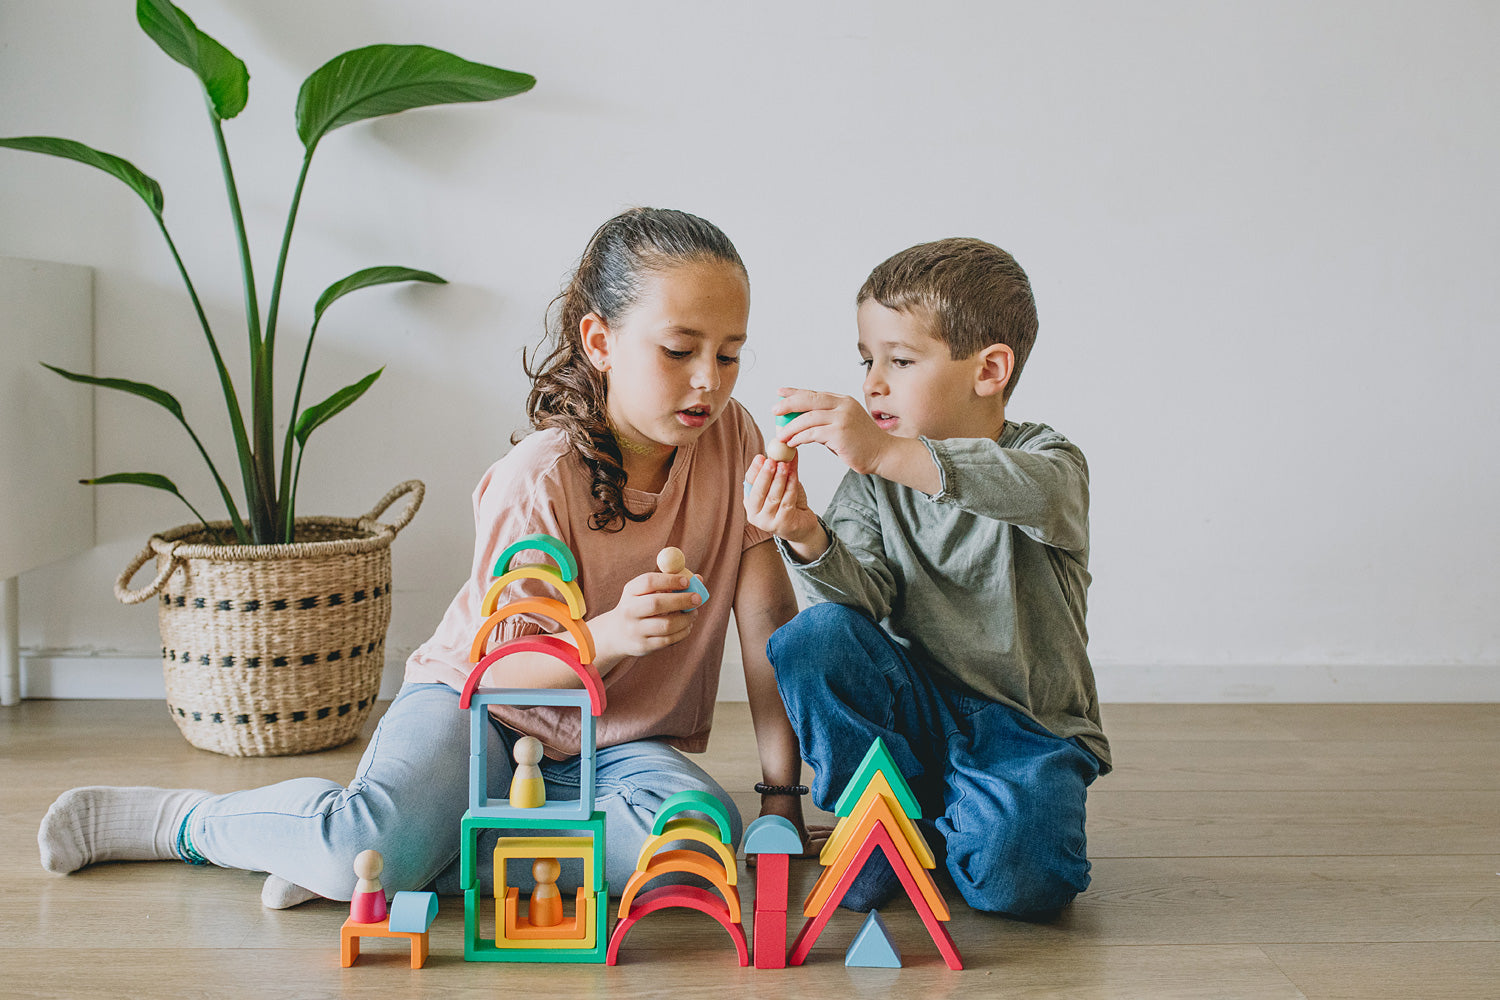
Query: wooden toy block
(878, 789)
(699, 831)
(695, 800)
(671, 560)
(547, 608)
(771, 875)
(549, 645)
(770, 939)
(412, 912)
(478, 949)
(772, 835)
(548, 544)
(686, 862)
(569, 590)
(519, 931)
(879, 838)
(878, 816)
(530, 819)
(878, 760)
(351, 932)
(873, 947)
(688, 896)
(585, 849)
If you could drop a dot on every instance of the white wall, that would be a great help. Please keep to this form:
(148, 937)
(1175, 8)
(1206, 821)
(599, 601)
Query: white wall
(1262, 236)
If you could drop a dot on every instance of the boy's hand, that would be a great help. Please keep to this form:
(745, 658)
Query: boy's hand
(776, 502)
(647, 618)
(839, 423)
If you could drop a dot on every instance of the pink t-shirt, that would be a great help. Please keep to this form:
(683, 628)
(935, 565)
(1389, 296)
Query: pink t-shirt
(542, 486)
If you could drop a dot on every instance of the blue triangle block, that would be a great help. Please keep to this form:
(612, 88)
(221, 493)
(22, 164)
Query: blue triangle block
(873, 947)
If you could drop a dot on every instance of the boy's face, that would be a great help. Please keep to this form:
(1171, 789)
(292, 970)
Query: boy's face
(912, 387)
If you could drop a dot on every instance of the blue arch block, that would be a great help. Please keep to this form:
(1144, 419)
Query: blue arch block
(413, 912)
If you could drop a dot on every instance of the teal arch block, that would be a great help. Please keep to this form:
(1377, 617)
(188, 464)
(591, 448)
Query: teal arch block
(694, 800)
(873, 947)
(541, 542)
(772, 835)
(413, 912)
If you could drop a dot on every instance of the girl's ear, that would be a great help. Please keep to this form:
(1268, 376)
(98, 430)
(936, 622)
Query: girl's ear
(593, 332)
(996, 363)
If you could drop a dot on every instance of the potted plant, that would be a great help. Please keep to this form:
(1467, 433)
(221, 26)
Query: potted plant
(273, 625)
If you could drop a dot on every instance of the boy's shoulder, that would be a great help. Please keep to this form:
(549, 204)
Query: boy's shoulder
(1032, 436)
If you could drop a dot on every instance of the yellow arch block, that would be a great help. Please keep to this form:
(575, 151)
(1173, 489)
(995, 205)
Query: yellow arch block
(537, 571)
(691, 828)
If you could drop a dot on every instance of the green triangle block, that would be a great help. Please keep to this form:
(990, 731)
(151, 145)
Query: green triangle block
(878, 760)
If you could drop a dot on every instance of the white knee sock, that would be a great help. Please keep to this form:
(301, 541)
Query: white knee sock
(278, 893)
(102, 823)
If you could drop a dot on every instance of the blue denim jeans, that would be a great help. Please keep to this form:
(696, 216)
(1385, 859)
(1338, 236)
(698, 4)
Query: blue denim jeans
(1004, 796)
(411, 792)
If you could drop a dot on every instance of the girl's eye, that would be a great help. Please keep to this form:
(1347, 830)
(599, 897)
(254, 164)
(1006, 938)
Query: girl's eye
(676, 355)
(726, 360)
(865, 363)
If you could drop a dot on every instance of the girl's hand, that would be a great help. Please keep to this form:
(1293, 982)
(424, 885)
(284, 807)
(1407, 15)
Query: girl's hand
(649, 617)
(776, 502)
(839, 423)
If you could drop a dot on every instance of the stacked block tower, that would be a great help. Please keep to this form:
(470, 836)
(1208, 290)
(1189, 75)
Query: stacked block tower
(544, 933)
(717, 867)
(876, 812)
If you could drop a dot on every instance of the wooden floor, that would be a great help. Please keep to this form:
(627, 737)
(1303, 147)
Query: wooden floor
(1239, 851)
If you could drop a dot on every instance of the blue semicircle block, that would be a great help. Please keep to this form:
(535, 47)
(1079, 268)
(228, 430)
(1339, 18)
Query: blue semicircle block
(772, 835)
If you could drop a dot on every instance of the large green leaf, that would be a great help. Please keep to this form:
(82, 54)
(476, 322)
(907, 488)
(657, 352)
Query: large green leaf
(158, 396)
(148, 189)
(383, 275)
(224, 76)
(151, 479)
(386, 79)
(314, 416)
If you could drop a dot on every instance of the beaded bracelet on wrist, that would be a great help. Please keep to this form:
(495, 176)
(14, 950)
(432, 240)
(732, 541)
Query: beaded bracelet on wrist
(765, 789)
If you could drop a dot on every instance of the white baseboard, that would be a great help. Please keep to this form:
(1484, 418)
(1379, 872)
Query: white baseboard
(114, 675)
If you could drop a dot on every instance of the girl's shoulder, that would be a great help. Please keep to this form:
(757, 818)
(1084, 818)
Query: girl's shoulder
(538, 458)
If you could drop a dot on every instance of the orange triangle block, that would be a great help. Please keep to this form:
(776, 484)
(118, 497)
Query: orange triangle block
(878, 787)
(878, 814)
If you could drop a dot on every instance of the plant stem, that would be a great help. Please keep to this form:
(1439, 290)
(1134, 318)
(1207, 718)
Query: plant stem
(288, 483)
(261, 501)
(286, 495)
(236, 418)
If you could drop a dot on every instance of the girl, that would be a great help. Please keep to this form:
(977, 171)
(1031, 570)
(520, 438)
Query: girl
(637, 445)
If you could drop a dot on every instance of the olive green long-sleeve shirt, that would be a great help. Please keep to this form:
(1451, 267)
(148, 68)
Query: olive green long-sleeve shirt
(983, 583)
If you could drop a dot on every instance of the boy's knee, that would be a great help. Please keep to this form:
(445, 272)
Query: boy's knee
(1016, 875)
(800, 649)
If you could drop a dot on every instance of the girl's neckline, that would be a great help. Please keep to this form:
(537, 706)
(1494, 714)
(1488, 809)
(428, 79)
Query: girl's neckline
(678, 462)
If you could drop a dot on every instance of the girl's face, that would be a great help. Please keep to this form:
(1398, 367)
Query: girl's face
(673, 358)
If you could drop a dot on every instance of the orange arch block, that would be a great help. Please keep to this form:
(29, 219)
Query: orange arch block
(690, 862)
(547, 608)
(535, 571)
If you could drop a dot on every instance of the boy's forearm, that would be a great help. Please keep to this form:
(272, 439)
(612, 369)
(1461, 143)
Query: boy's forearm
(908, 462)
(811, 548)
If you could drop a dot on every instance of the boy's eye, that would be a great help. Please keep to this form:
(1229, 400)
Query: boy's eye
(900, 362)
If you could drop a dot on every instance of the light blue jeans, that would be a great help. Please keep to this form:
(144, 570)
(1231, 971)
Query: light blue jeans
(410, 794)
(1004, 797)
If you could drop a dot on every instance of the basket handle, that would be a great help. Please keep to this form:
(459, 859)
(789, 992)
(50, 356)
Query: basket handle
(413, 486)
(125, 595)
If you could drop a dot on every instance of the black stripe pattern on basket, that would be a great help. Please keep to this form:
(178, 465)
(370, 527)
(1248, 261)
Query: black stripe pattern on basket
(270, 718)
(308, 603)
(255, 662)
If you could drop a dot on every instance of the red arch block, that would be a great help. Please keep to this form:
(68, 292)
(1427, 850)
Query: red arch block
(549, 645)
(690, 896)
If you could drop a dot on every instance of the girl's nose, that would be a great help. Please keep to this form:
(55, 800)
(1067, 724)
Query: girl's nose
(706, 376)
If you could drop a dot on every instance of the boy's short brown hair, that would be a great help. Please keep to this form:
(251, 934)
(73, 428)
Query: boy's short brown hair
(972, 293)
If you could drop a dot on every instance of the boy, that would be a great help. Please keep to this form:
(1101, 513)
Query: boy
(965, 537)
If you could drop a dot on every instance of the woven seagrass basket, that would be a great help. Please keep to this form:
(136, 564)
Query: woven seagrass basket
(271, 650)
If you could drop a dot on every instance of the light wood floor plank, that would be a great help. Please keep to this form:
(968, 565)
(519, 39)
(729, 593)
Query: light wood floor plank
(1257, 851)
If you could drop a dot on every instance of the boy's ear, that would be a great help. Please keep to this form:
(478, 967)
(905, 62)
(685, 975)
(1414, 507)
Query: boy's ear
(593, 332)
(996, 363)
